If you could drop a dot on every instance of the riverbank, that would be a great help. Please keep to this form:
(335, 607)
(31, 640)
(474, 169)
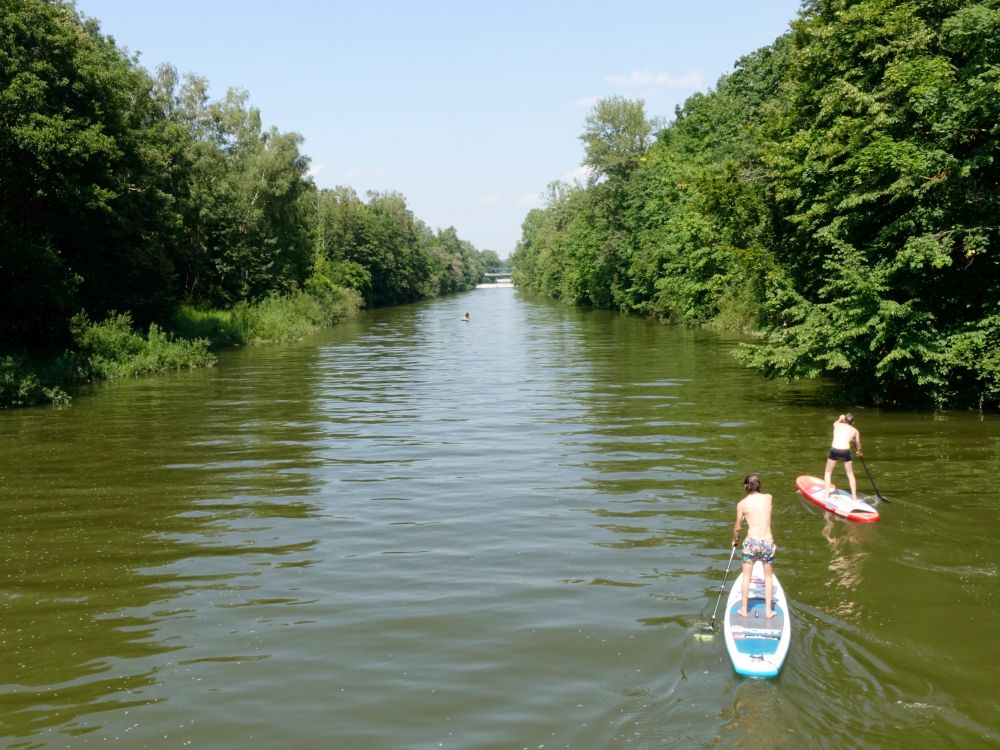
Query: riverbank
(112, 348)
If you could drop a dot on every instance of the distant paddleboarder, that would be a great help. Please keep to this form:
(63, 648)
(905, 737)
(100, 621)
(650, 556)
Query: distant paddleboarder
(466, 316)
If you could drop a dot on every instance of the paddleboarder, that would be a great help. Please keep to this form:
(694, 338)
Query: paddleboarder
(759, 543)
(844, 433)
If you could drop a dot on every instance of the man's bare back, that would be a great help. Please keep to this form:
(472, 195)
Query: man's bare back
(756, 509)
(843, 435)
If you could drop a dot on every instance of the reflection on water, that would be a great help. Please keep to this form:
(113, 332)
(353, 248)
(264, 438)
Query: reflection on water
(848, 542)
(413, 531)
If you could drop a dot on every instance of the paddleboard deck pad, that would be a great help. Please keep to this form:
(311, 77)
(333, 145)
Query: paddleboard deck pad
(757, 645)
(839, 501)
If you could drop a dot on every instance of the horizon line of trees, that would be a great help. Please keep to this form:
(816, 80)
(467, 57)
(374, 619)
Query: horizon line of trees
(838, 193)
(123, 191)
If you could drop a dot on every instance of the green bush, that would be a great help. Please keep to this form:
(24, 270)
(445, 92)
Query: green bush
(112, 349)
(28, 382)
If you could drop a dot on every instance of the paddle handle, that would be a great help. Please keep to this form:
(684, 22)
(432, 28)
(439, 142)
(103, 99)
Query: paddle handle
(711, 623)
(872, 480)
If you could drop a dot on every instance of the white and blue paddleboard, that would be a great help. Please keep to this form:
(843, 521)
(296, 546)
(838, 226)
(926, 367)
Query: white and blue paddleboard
(757, 645)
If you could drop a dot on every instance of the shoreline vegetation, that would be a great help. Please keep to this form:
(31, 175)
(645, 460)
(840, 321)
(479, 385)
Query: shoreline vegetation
(836, 195)
(112, 349)
(144, 226)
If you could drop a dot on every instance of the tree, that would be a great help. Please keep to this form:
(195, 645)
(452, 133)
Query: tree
(839, 189)
(459, 265)
(490, 261)
(885, 163)
(245, 196)
(85, 220)
(616, 134)
(389, 256)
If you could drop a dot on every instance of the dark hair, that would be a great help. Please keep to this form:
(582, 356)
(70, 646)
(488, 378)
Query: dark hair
(752, 483)
(849, 418)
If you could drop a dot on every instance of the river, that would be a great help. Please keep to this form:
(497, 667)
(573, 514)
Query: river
(411, 531)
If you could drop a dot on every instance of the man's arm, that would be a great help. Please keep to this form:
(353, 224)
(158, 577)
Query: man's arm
(857, 442)
(739, 522)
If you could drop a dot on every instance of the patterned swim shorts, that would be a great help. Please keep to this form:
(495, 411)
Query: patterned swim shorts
(758, 549)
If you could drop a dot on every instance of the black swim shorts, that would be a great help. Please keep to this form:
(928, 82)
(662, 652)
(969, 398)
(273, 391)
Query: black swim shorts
(840, 454)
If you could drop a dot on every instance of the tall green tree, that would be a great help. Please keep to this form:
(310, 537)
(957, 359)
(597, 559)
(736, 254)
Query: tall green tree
(615, 136)
(246, 198)
(601, 241)
(85, 220)
(701, 204)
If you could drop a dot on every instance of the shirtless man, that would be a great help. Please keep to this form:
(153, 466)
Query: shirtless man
(844, 433)
(759, 544)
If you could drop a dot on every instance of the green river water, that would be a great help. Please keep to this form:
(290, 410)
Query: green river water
(415, 532)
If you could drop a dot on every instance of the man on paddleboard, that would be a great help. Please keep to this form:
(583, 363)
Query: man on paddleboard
(759, 544)
(844, 433)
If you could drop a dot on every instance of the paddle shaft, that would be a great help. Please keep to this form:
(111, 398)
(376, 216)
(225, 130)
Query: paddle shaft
(711, 623)
(872, 480)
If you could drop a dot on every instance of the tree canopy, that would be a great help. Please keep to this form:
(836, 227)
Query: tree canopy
(128, 192)
(836, 192)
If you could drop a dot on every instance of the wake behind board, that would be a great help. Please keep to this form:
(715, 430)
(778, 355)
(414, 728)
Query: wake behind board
(839, 502)
(757, 645)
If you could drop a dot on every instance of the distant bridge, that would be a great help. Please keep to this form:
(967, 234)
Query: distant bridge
(496, 279)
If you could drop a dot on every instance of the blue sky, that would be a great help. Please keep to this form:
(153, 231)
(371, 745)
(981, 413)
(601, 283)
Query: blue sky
(469, 109)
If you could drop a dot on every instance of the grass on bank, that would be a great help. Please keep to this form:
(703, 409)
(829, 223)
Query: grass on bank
(273, 319)
(113, 349)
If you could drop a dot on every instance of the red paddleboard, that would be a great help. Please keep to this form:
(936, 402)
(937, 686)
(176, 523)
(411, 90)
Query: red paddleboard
(838, 502)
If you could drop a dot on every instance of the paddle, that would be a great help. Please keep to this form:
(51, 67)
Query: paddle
(872, 480)
(711, 623)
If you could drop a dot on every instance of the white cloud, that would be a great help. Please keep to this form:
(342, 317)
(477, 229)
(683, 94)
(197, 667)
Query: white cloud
(315, 169)
(647, 79)
(530, 199)
(586, 101)
(580, 174)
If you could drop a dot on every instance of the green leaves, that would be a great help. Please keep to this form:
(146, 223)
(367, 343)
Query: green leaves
(82, 214)
(877, 154)
(120, 191)
(381, 250)
(243, 193)
(840, 188)
(615, 136)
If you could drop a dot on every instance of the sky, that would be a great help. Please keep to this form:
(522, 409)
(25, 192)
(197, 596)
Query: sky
(470, 109)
